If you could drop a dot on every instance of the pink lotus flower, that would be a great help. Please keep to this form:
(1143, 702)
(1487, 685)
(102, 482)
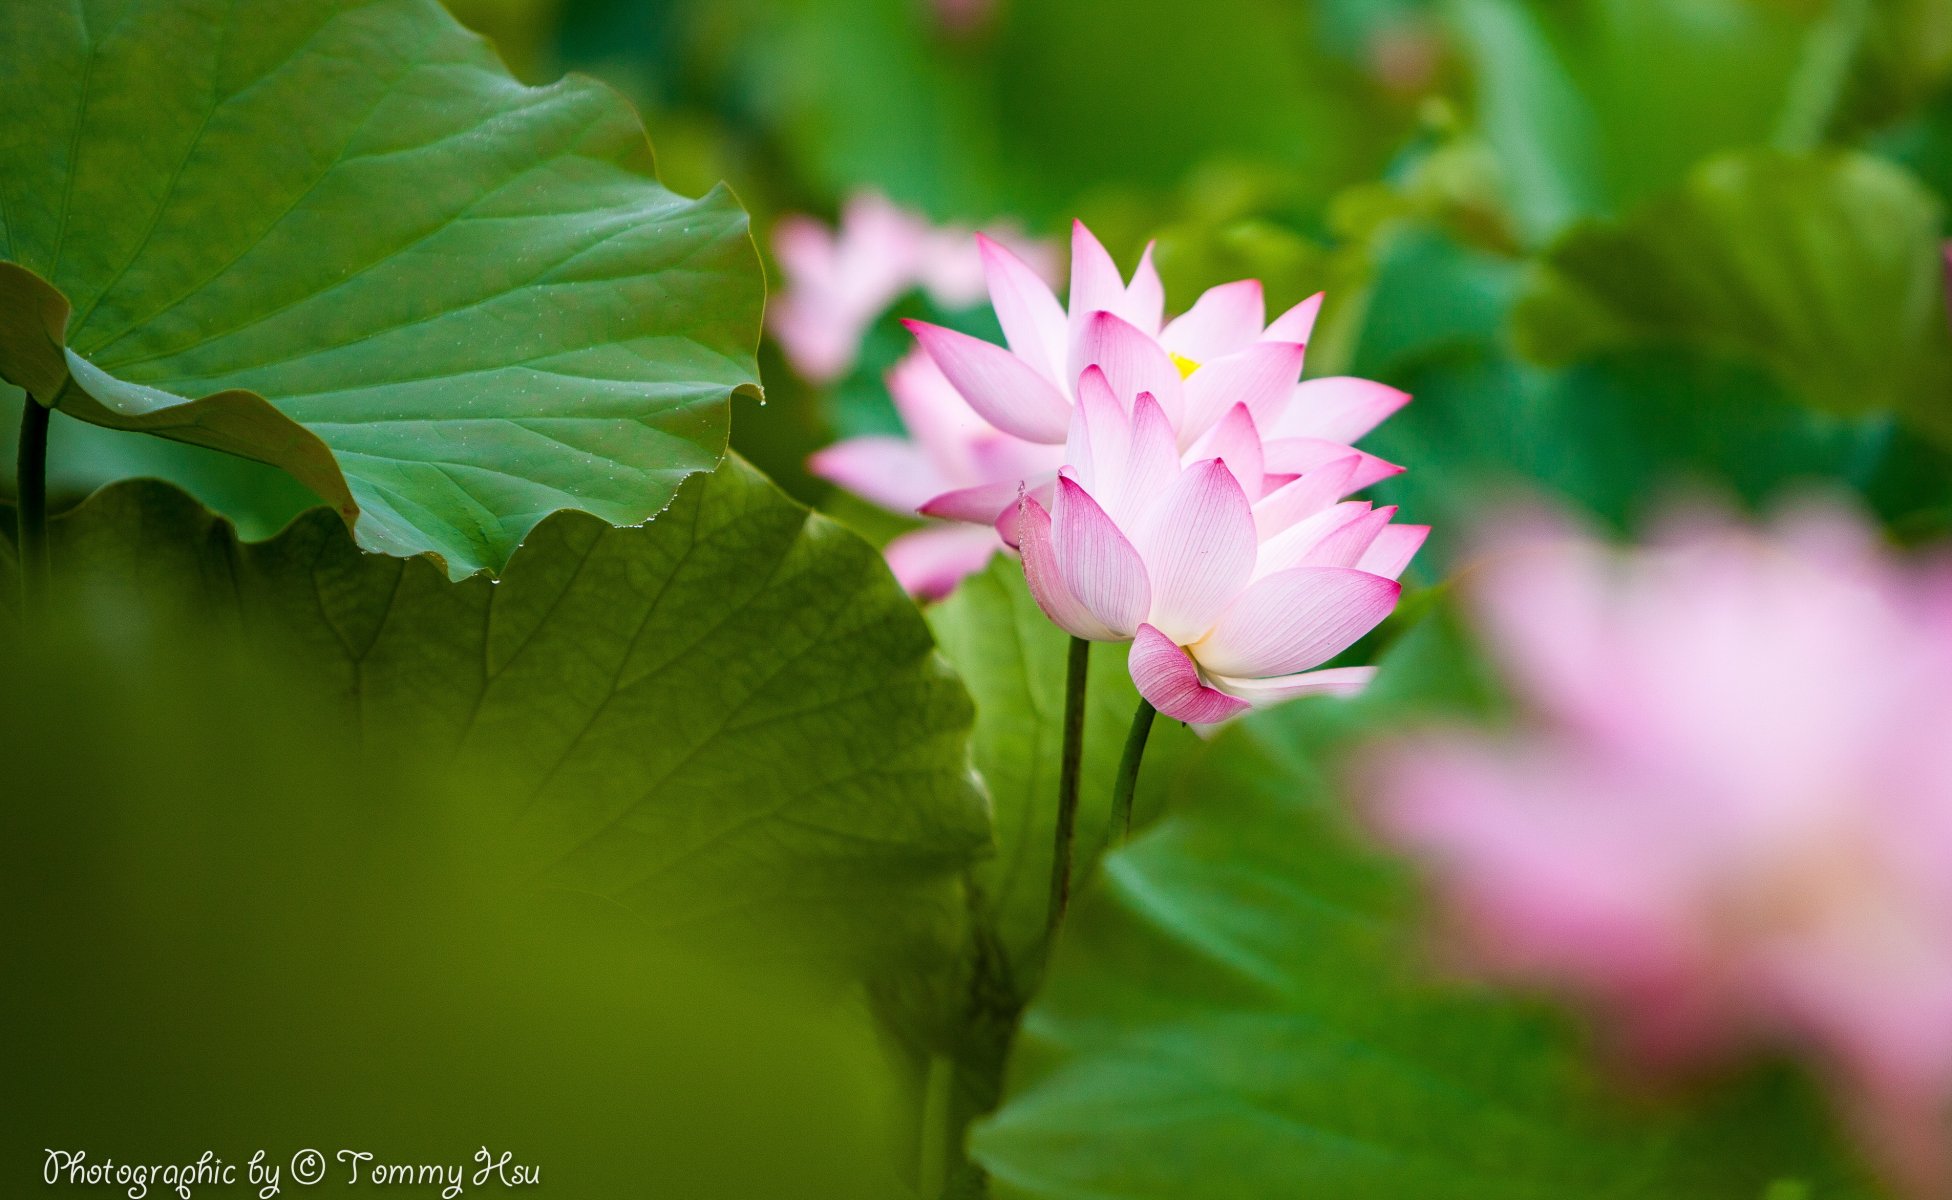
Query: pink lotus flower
(1198, 367)
(947, 447)
(1727, 819)
(1231, 583)
(839, 282)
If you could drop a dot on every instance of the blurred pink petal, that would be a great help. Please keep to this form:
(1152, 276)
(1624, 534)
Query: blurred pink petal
(1727, 818)
(893, 472)
(930, 562)
(1170, 683)
(838, 282)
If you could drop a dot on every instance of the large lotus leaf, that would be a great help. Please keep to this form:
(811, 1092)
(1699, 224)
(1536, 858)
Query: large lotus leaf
(337, 237)
(729, 716)
(1244, 1010)
(1825, 269)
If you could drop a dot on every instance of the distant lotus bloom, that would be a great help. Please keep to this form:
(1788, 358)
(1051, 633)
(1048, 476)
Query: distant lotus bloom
(1727, 817)
(947, 447)
(1198, 368)
(839, 282)
(1232, 584)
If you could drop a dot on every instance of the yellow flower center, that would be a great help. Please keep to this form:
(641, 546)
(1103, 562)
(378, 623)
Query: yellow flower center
(1186, 366)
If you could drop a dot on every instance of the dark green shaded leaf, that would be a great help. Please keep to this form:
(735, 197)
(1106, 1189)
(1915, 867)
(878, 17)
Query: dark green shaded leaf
(728, 717)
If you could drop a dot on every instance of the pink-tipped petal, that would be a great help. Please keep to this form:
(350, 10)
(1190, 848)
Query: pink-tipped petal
(1236, 439)
(1008, 521)
(1046, 580)
(1304, 496)
(929, 563)
(1295, 620)
(1132, 361)
(1295, 545)
(1392, 550)
(1098, 564)
(1336, 681)
(1152, 462)
(1346, 546)
(1224, 320)
(1338, 409)
(1096, 285)
(978, 505)
(1170, 683)
(1004, 390)
(1145, 299)
(1100, 436)
(1261, 377)
(1033, 321)
(1298, 456)
(1198, 543)
(1298, 323)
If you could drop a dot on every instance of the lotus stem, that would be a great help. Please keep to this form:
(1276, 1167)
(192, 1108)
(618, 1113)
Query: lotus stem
(1127, 780)
(1077, 670)
(30, 481)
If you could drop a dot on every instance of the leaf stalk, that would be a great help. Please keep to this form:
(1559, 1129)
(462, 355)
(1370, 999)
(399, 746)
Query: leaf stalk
(1127, 780)
(1077, 671)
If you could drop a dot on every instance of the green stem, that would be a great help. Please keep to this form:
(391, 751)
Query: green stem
(31, 482)
(1127, 780)
(1077, 669)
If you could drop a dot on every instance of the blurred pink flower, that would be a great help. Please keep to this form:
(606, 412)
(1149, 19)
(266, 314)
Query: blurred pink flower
(839, 282)
(948, 447)
(1727, 818)
(1231, 591)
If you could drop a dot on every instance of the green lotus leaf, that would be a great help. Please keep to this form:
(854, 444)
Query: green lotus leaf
(1825, 269)
(1245, 1009)
(728, 717)
(339, 238)
(1592, 108)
